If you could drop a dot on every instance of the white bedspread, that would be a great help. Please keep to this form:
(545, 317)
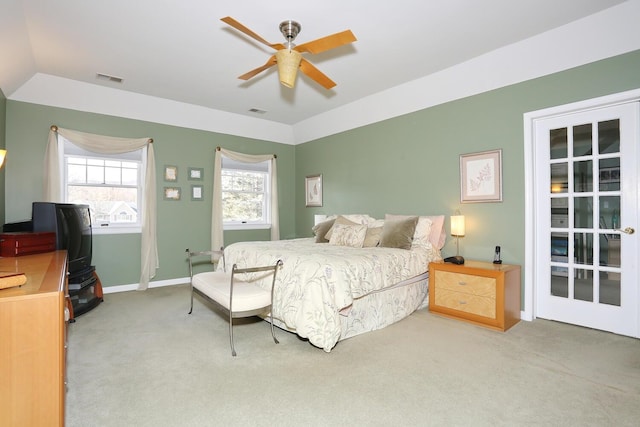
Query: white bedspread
(318, 280)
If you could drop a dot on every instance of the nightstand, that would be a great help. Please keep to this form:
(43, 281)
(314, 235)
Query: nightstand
(482, 293)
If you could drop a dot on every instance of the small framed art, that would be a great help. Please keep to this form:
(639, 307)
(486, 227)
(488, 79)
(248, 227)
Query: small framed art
(172, 193)
(170, 173)
(313, 190)
(481, 177)
(196, 193)
(196, 174)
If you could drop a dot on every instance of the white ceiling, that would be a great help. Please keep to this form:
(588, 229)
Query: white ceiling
(181, 51)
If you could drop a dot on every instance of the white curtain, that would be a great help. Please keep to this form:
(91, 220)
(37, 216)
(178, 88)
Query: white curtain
(217, 236)
(110, 145)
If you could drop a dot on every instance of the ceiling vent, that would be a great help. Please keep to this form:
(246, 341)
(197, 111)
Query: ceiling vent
(107, 77)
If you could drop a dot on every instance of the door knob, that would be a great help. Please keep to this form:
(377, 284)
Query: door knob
(628, 230)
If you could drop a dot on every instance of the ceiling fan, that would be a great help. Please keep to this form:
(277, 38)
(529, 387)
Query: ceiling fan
(289, 57)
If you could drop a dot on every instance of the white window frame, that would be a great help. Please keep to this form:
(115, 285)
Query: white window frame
(102, 227)
(228, 164)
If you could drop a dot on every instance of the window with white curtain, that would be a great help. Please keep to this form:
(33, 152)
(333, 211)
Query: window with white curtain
(111, 184)
(245, 194)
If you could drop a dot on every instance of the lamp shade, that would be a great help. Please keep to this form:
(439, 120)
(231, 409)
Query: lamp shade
(3, 153)
(288, 64)
(457, 225)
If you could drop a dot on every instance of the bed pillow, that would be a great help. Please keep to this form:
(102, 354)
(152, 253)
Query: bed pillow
(372, 238)
(348, 235)
(320, 229)
(438, 235)
(339, 220)
(422, 234)
(359, 218)
(397, 232)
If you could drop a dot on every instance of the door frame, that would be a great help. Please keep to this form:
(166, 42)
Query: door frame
(530, 186)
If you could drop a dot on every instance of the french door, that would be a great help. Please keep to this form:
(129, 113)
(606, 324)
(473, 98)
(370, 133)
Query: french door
(586, 216)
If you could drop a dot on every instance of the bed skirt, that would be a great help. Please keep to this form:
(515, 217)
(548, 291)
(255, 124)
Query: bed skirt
(380, 309)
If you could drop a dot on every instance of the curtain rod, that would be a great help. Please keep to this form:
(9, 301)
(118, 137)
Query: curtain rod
(55, 129)
(275, 156)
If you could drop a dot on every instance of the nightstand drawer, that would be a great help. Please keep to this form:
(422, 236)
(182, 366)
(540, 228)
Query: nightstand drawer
(468, 303)
(460, 282)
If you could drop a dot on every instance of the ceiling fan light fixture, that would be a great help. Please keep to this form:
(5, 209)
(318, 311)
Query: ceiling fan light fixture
(288, 64)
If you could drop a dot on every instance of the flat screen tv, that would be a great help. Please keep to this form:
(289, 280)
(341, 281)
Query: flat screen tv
(72, 225)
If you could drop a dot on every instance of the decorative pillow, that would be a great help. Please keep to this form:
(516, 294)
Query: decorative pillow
(359, 218)
(372, 238)
(340, 220)
(423, 228)
(321, 229)
(398, 232)
(348, 235)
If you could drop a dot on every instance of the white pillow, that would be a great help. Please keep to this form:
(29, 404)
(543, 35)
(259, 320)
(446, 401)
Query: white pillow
(348, 235)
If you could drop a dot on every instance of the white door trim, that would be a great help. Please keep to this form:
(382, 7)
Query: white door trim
(530, 185)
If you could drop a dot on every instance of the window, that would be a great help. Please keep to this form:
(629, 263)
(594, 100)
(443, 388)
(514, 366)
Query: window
(245, 194)
(111, 184)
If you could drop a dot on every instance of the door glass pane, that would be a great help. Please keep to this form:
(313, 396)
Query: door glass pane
(583, 248)
(559, 282)
(609, 212)
(559, 268)
(583, 212)
(559, 178)
(582, 140)
(560, 212)
(610, 288)
(609, 171)
(583, 285)
(610, 251)
(583, 176)
(609, 136)
(558, 139)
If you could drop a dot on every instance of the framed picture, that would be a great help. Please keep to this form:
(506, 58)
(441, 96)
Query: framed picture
(481, 177)
(171, 193)
(170, 173)
(313, 190)
(196, 192)
(196, 174)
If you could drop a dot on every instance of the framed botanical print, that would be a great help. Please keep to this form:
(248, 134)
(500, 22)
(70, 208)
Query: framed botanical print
(481, 177)
(313, 190)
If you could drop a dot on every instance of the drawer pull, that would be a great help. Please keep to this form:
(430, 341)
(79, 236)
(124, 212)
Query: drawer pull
(462, 302)
(462, 283)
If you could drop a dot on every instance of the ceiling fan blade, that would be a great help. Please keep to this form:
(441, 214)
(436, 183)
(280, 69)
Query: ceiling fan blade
(326, 43)
(310, 70)
(238, 26)
(270, 63)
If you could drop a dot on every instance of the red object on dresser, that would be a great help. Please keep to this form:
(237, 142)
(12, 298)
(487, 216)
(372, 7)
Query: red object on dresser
(26, 243)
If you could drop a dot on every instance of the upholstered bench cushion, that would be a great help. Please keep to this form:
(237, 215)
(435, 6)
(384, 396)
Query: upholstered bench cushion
(246, 296)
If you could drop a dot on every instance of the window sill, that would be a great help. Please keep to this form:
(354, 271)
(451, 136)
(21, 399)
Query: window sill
(116, 230)
(246, 226)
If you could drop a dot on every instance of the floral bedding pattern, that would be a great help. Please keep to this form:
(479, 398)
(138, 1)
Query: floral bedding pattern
(318, 280)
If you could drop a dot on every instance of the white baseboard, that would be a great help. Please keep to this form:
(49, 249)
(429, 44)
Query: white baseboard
(134, 287)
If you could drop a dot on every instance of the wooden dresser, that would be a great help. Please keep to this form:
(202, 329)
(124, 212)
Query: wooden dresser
(478, 292)
(33, 321)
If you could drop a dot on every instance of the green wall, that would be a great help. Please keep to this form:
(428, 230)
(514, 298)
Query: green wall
(181, 224)
(410, 164)
(404, 165)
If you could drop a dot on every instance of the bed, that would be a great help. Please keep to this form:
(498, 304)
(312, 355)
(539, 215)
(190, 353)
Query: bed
(331, 287)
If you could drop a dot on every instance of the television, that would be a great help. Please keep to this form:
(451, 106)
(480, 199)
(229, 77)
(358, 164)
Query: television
(72, 225)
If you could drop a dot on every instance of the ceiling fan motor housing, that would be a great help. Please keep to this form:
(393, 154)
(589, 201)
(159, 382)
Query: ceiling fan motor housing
(290, 29)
